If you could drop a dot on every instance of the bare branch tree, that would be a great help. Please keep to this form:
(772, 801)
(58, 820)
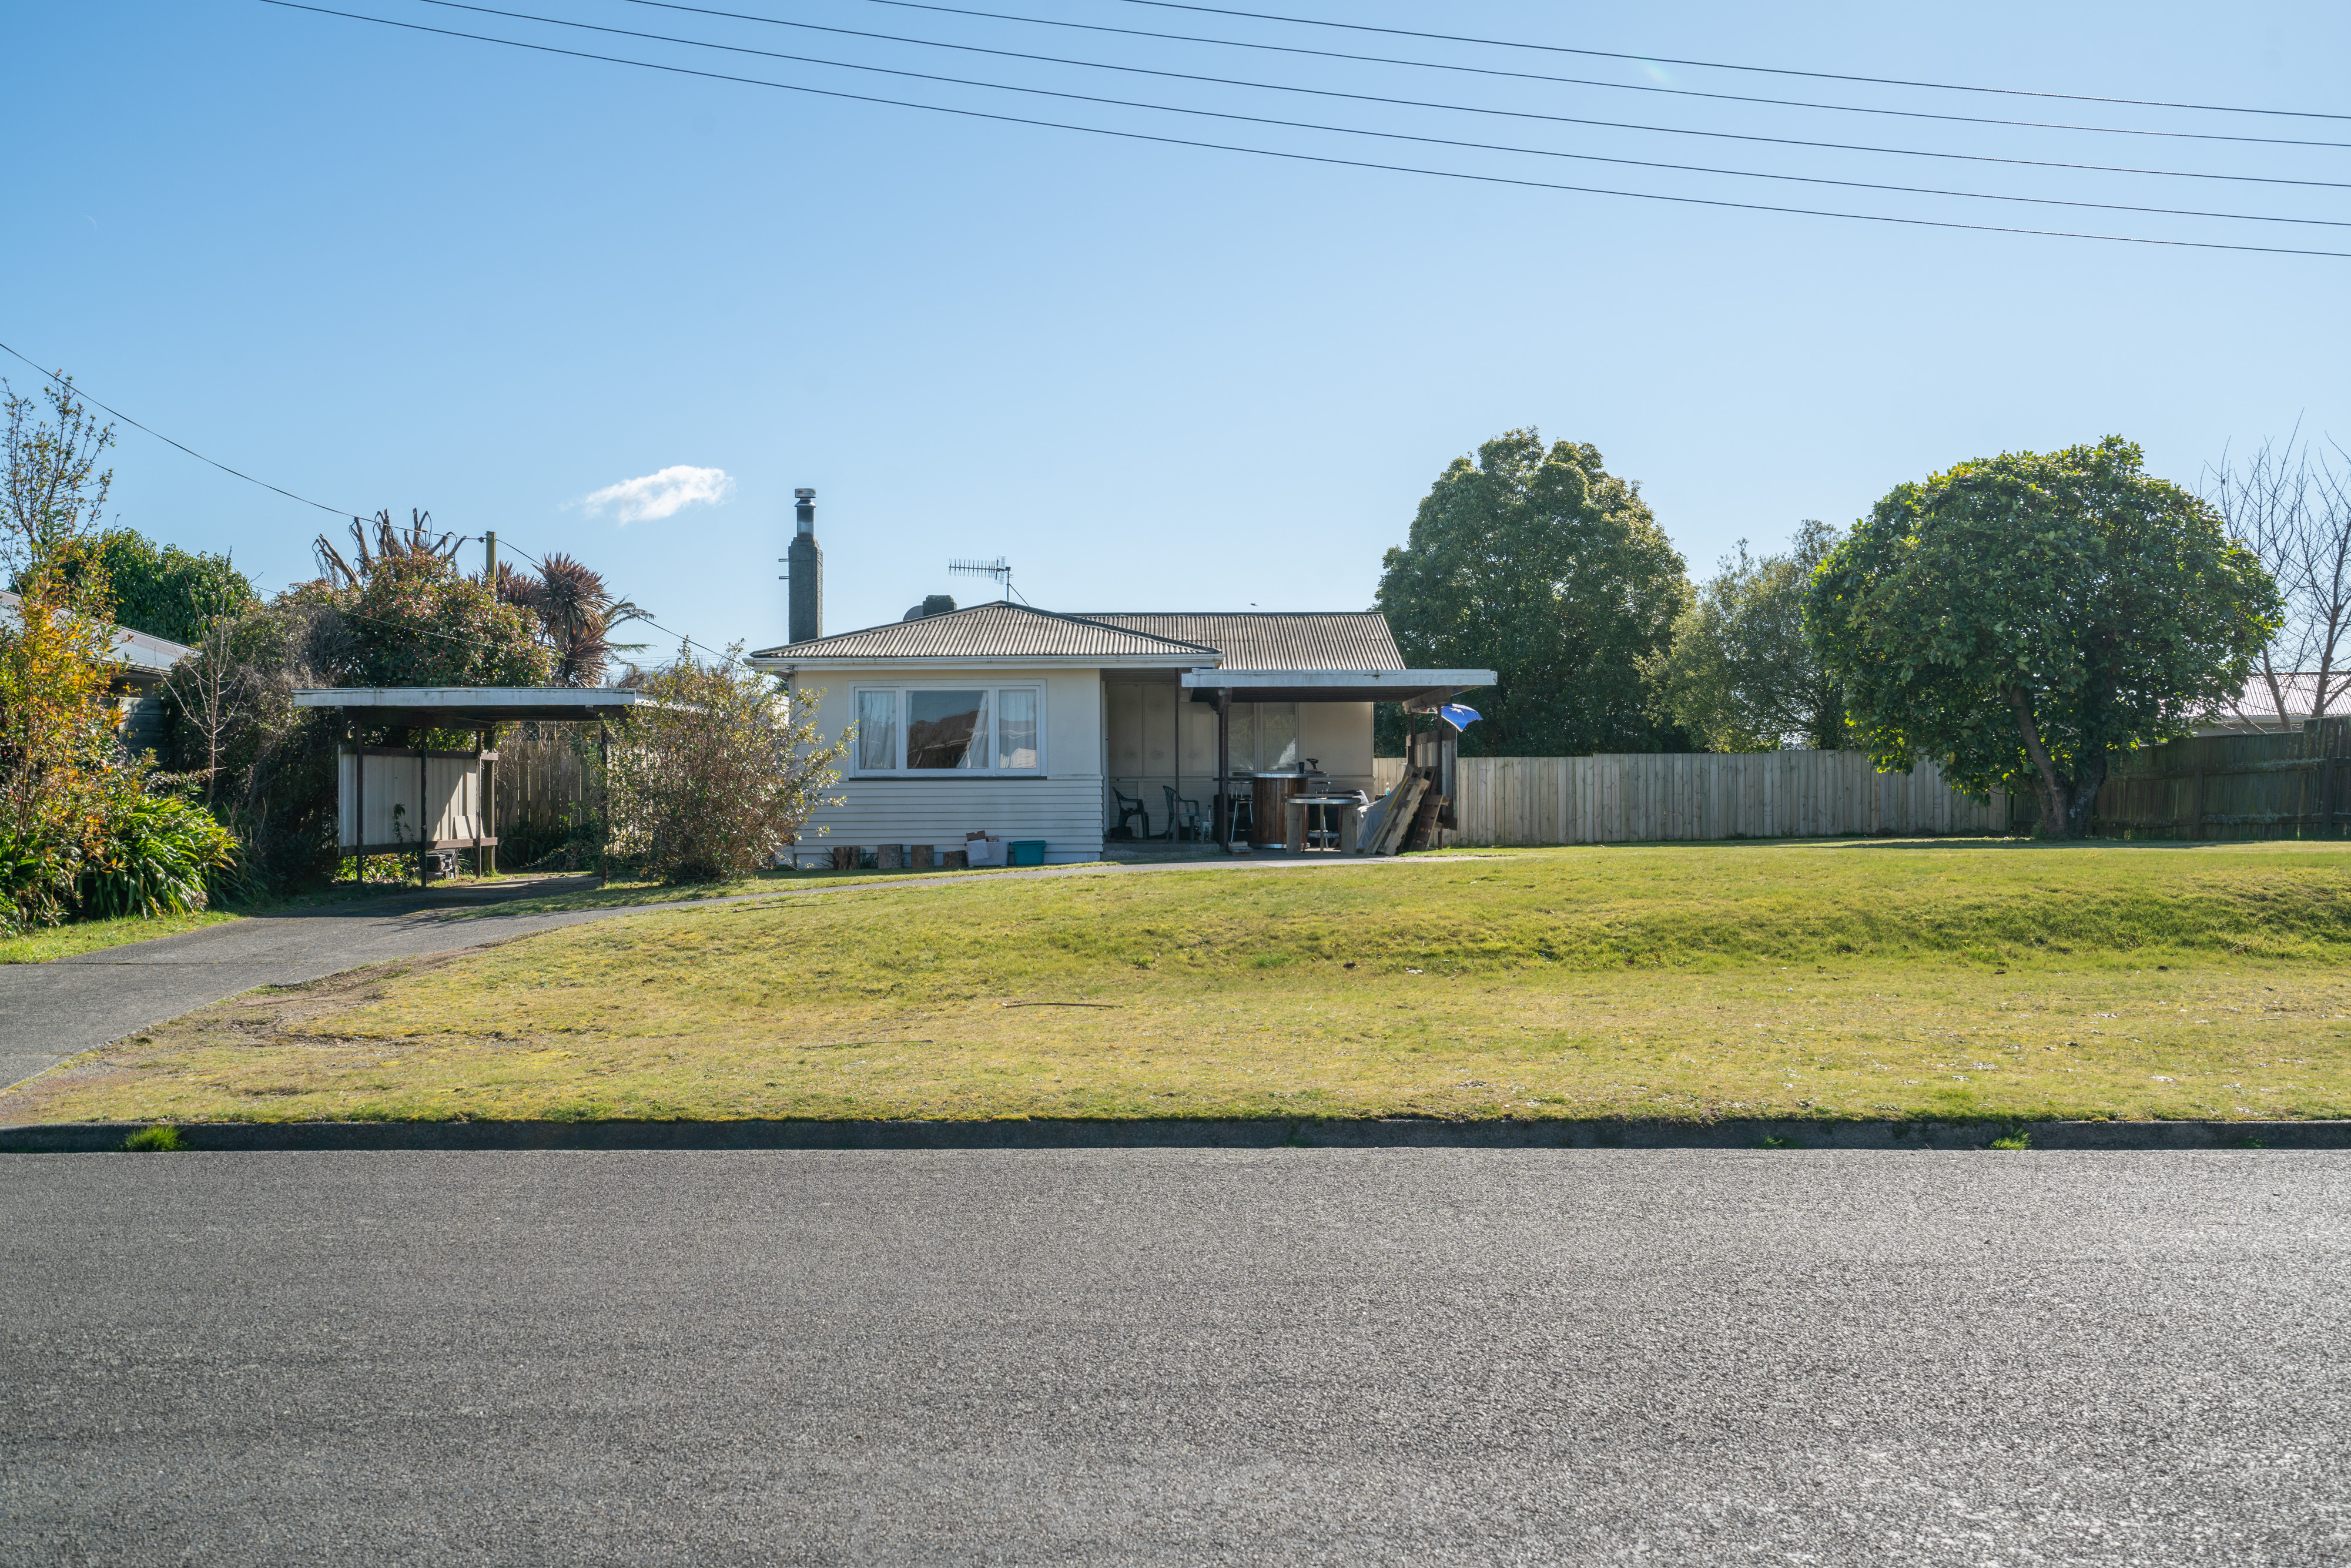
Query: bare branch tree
(2293, 509)
(418, 541)
(53, 491)
(206, 687)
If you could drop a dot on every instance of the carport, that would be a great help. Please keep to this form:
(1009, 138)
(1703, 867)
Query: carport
(400, 798)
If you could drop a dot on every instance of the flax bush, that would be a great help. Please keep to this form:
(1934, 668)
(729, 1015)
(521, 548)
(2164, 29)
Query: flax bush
(718, 777)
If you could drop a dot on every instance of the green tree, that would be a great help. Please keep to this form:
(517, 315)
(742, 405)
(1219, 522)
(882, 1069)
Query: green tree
(80, 831)
(167, 592)
(409, 618)
(1545, 568)
(1739, 676)
(2020, 618)
(394, 611)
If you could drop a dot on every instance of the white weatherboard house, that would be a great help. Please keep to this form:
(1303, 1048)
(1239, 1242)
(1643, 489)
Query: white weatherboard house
(1025, 724)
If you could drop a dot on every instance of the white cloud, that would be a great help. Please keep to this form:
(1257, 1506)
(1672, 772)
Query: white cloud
(662, 494)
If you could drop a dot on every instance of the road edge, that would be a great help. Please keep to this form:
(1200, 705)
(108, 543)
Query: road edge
(1892, 1136)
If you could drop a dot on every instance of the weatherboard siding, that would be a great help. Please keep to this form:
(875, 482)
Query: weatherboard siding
(1062, 804)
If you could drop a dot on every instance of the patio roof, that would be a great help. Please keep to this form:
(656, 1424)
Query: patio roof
(1420, 687)
(470, 708)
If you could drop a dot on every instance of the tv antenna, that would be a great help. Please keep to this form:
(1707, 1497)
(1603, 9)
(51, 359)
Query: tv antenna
(1000, 572)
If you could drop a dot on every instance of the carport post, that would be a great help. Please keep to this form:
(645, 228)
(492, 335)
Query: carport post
(424, 838)
(604, 831)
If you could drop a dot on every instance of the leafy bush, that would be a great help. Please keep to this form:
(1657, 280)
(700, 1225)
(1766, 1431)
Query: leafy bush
(156, 859)
(717, 778)
(35, 877)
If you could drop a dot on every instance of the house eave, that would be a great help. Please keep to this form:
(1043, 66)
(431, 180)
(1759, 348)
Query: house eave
(787, 665)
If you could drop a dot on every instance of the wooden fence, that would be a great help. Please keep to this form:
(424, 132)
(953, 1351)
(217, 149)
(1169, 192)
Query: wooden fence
(545, 791)
(2288, 786)
(1643, 798)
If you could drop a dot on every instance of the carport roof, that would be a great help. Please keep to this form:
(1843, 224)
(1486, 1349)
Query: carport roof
(468, 707)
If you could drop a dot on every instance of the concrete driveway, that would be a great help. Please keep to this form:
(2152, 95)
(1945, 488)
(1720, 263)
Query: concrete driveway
(1175, 1356)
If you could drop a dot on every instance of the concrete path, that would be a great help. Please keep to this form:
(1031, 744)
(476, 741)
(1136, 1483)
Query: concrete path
(1176, 1356)
(49, 1011)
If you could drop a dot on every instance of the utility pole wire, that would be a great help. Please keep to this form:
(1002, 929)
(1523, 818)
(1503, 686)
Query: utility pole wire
(66, 382)
(1726, 65)
(1356, 97)
(1311, 157)
(1487, 71)
(1391, 135)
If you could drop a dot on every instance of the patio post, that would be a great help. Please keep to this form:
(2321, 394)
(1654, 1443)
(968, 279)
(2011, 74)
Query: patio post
(1224, 806)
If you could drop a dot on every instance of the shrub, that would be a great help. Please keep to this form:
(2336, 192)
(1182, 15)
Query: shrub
(157, 857)
(717, 778)
(164, 1139)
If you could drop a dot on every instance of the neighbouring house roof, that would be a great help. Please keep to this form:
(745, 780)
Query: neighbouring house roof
(146, 659)
(994, 632)
(1279, 640)
(2256, 707)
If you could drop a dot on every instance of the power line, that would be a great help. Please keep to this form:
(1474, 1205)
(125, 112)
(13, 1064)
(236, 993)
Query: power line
(1316, 157)
(1355, 130)
(1498, 71)
(462, 538)
(1400, 102)
(68, 383)
(1725, 66)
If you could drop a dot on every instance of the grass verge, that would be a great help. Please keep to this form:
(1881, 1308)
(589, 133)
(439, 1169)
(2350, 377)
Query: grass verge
(1953, 980)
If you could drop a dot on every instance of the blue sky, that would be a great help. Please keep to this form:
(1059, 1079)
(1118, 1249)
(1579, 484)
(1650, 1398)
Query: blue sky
(388, 269)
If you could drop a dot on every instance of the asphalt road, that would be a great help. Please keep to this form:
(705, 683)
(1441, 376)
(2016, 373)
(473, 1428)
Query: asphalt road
(1175, 1356)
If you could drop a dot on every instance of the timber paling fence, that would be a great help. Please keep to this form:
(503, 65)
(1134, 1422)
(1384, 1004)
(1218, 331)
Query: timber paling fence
(2295, 785)
(1653, 798)
(545, 788)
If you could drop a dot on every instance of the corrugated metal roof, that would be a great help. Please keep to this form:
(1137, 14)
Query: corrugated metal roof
(2300, 689)
(999, 631)
(1280, 639)
(143, 653)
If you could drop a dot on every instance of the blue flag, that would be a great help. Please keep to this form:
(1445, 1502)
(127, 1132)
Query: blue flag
(1458, 715)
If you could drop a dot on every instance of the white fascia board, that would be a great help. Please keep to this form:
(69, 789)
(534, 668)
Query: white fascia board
(865, 666)
(468, 696)
(1402, 680)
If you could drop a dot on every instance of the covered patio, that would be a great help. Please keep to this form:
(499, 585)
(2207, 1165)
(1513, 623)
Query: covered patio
(1214, 756)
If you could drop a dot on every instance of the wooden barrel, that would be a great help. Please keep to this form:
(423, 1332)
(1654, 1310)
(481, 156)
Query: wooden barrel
(1268, 815)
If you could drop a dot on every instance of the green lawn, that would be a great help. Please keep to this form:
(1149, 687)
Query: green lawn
(1956, 979)
(89, 935)
(619, 894)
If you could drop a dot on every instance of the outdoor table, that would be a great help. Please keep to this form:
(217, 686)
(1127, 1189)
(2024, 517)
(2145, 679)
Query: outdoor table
(1351, 817)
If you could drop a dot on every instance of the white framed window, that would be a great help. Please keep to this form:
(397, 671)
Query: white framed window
(938, 730)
